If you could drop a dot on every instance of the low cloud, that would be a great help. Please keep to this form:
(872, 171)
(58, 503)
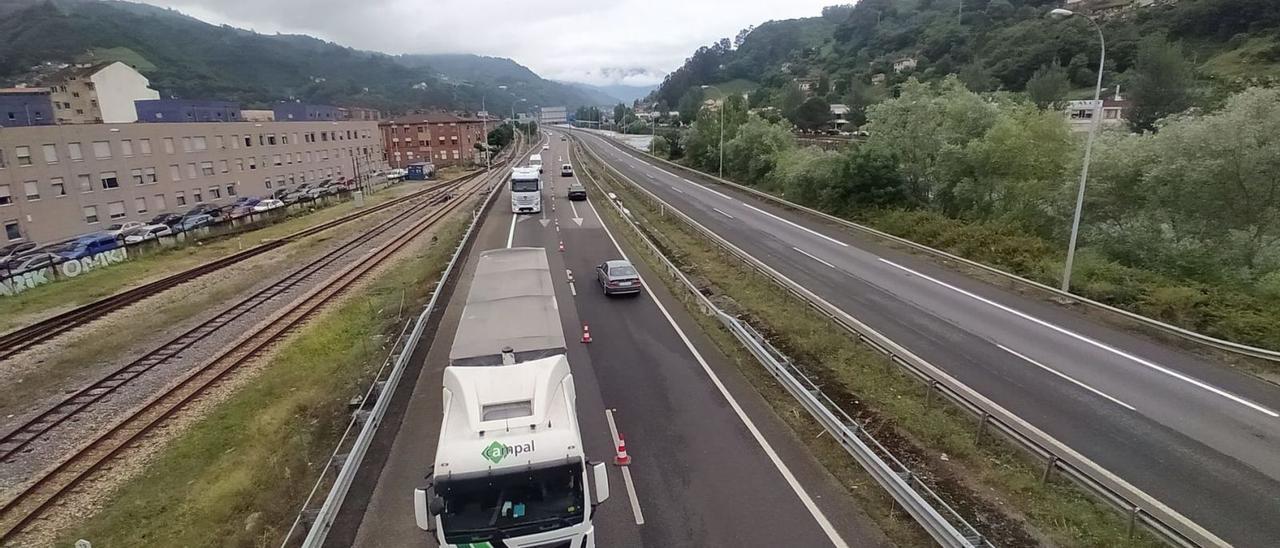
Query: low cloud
(627, 42)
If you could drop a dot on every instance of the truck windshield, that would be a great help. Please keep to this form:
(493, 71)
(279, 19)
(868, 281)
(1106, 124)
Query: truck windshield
(511, 504)
(524, 185)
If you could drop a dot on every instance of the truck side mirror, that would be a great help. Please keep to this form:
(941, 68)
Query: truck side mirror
(426, 506)
(601, 475)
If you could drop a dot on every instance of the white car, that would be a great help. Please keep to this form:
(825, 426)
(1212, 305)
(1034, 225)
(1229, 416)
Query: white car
(120, 228)
(149, 232)
(267, 205)
(546, 147)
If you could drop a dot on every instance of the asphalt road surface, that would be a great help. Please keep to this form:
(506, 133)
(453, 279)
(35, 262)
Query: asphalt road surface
(1200, 437)
(712, 465)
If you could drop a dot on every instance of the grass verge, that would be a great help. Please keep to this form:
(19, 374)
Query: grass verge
(238, 476)
(21, 309)
(995, 486)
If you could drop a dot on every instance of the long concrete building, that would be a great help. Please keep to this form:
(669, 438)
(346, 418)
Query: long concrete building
(63, 180)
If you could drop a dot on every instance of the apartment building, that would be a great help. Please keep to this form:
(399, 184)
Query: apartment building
(98, 93)
(60, 181)
(440, 138)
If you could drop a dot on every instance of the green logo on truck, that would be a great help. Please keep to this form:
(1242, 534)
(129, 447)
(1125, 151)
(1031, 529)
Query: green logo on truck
(496, 451)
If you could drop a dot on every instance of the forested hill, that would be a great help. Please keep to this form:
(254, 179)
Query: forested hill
(186, 57)
(991, 44)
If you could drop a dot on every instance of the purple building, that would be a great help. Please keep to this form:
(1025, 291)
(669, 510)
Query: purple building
(20, 107)
(299, 112)
(187, 110)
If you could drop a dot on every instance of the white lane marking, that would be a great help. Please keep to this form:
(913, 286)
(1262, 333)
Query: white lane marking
(810, 255)
(626, 472)
(575, 211)
(1141, 361)
(818, 516)
(573, 290)
(511, 234)
(1065, 377)
(806, 229)
(722, 213)
(677, 189)
(650, 175)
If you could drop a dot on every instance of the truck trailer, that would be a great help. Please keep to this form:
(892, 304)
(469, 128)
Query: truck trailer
(510, 468)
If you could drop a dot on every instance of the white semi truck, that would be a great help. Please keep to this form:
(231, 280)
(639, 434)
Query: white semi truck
(510, 468)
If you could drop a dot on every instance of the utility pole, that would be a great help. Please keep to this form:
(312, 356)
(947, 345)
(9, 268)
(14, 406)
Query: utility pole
(488, 163)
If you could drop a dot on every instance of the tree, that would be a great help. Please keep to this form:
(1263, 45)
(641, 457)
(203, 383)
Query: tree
(977, 77)
(790, 100)
(661, 147)
(1216, 174)
(868, 179)
(1049, 85)
(501, 136)
(753, 152)
(813, 115)
(689, 104)
(1159, 83)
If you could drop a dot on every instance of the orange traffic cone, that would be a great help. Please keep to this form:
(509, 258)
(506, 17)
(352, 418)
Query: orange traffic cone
(586, 333)
(622, 458)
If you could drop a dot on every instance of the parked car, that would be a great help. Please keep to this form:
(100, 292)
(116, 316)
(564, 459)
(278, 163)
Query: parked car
(165, 219)
(204, 209)
(149, 232)
(280, 194)
(15, 250)
(24, 263)
(332, 187)
(618, 276)
(301, 192)
(120, 228)
(193, 222)
(267, 205)
(243, 206)
(566, 170)
(84, 246)
(577, 192)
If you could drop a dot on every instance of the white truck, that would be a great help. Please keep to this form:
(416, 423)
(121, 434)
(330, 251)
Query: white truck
(510, 468)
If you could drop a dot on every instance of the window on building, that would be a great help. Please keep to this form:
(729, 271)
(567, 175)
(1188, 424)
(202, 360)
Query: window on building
(248, 141)
(175, 173)
(11, 230)
(200, 143)
(31, 190)
(215, 193)
(90, 214)
(206, 169)
(135, 175)
(144, 146)
(235, 142)
(191, 170)
(168, 145)
(149, 174)
(324, 154)
(180, 198)
(75, 94)
(442, 139)
(50, 153)
(271, 138)
(267, 182)
(59, 188)
(126, 148)
(102, 150)
(85, 182)
(197, 196)
(280, 181)
(295, 139)
(222, 166)
(115, 210)
(108, 179)
(140, 204)
(275, 159)
(409, 154)
(231, 189)
(5, 197)
(239, 165)
(157, 202)
(455, 154)
(2, 166)
(24, 155)
(218, 142)
(253, 163)
(186, 144)
(292, 179)
(74, 152)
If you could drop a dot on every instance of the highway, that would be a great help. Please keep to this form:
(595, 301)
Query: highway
(1198, 436)
(712, 465)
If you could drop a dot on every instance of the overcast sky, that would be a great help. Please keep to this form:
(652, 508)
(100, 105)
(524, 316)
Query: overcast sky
(597, 42)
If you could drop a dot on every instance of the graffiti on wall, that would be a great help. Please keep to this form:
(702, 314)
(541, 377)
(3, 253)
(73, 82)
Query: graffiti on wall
(16, 284)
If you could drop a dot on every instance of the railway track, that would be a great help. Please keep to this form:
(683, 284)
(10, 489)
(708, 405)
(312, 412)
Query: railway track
(34, 499)
(17, 341)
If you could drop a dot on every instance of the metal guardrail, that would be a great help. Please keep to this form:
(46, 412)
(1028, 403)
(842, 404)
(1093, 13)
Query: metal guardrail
(939, 519)
(1168, 329)
(1140, 507)
(383, 390)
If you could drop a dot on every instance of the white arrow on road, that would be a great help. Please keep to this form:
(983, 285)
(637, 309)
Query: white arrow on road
(575, 218)
(544, 222)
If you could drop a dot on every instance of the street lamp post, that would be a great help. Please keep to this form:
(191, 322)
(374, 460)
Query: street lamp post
(724, 102)
(1088, 147)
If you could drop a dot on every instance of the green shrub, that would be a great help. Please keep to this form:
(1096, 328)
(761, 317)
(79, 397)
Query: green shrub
(1179, 305)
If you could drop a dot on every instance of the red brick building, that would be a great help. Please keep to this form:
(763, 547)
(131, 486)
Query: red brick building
(440, 138)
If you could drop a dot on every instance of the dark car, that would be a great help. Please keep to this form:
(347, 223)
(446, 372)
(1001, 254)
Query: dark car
(166, 219)
(618, 277)
(84, 246)
(25, 263)
(577, 192)
(15, 250)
